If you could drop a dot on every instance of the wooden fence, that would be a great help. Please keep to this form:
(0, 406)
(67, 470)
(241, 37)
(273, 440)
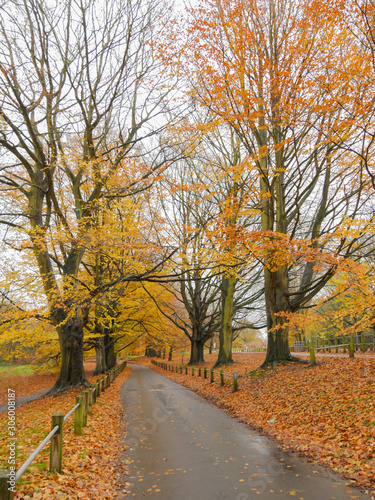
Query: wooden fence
(82, 408)
(185, 369)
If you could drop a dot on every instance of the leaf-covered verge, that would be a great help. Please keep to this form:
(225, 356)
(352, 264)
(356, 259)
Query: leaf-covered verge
(326, 412)
(26, 384)
(91, 468)
(34, 382)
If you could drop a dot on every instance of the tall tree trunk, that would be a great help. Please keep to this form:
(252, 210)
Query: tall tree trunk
(276, 282)
(72, 373)
(226, 329)
(197, 348)
(110, 355)
(69, 328)
(101, 366)
(276, 301)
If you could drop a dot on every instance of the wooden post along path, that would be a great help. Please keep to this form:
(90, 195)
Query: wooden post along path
(56, 450)
(78, 416)
(5, 492)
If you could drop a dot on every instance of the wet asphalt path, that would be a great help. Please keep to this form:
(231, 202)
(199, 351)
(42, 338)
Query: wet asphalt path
(180, 447)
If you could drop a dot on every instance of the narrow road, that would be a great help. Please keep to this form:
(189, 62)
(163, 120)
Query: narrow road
(180, 447)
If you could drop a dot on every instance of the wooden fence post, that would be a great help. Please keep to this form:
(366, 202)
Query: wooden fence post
(5, 493)
(205, 372)
(78, 416)
(103, 384)
(192, 371)
(199, 371)
(85, 396)
(221, 378)
(212, 375)
(94, 393)
(235, 382)
(98, 386)
(312, 355)
(56, 448)
(90, 398)
(186, 370)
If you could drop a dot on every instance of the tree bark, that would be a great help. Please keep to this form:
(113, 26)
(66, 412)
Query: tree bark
(72, 373)
(110, 355)
(197, 351)
(226, 330)
(276, 301)
(101, 366)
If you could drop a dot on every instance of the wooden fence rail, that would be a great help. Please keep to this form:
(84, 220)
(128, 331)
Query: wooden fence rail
(82, 408)
(178, 369)
(361, 342)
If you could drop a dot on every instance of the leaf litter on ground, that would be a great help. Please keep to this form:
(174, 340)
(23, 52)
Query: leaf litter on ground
(91, 466)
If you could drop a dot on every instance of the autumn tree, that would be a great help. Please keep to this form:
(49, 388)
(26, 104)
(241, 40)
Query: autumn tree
(122, 245)
(80, 90)
(199, 202)
(263, 68)
(195, 285)
(220, 190)
(230, 183)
